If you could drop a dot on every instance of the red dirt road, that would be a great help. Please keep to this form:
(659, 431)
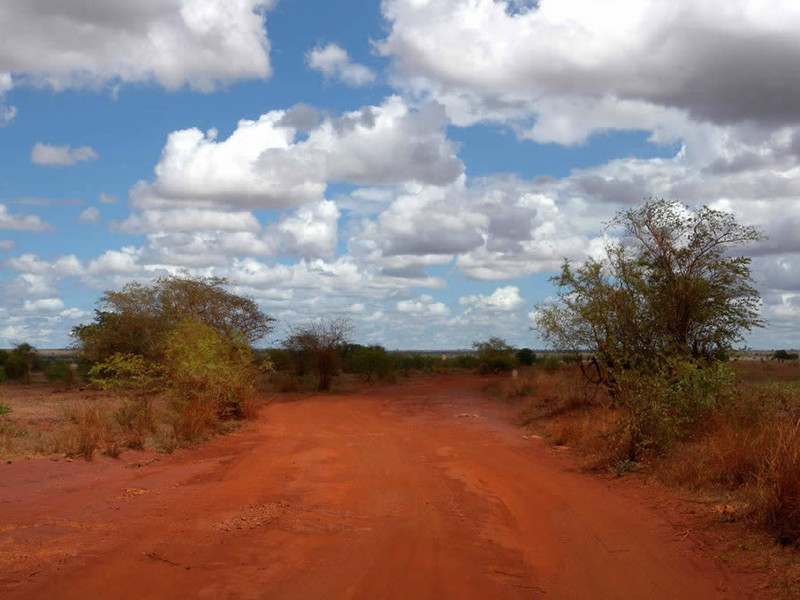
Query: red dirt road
(421, 490)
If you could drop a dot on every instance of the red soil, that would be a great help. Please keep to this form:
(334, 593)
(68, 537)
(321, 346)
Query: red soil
(421, 490)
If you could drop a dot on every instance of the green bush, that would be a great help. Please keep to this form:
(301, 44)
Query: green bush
(136, 319)
(3, 377)
(208, 374)
(5, 410)
(526, 357)
(495, 356)
(369, 361)
(463, 361)
(662, 406)
(126, 373)
(17, 368)
(412, 361)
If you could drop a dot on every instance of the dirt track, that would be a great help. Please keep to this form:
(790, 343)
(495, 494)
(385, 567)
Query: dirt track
(421, 490)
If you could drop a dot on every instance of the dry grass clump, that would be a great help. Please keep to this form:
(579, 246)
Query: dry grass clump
(90, 429)
(547, 392)
(753, 450)
(136, 420)
(11, 437)
(775, 489)
(193, 420)
(587, 430)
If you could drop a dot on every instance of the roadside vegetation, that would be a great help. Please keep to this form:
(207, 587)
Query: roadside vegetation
(650, 380)
(165, 364)
(739, 463)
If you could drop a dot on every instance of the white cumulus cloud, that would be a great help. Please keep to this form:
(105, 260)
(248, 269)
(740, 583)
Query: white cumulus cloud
(22, 222)
(264, 164)
(202, 43)
(333, 62)
(61, 156)
(423, 306)
(502, 299)
(50, 305)
(189, 219)
(578, 66)
(89, 215)
(107, 198)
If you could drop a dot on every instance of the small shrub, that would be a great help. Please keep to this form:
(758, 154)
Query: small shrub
(495, 356)
(5, 410)
(90, 428)
(318, 345)
(166, 443)
(463, 361)
(17, 368)
(112, 447)
(136, 420)
(623, 467)
(526, 357)
(21, 362)
(194, 419)
(659, 408)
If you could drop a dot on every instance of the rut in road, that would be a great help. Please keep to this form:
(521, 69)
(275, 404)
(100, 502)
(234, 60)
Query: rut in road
(420, 490)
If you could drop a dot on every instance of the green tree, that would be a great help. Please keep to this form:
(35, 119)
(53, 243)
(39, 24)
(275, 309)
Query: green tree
(320, 344)
(526, 357)
(135, 320)
(651, 318)
(668, 288)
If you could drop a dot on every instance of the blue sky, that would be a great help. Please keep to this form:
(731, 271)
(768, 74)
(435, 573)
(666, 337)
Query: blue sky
(421, 165)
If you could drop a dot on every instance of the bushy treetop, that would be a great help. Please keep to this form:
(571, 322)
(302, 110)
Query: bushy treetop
(668, 287)
(136, 319)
